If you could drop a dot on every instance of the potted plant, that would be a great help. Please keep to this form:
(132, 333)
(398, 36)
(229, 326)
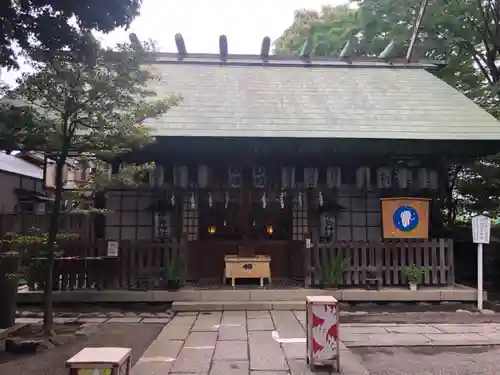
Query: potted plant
(173, 273)
(333, 272)
(372, 278)
(414, 274)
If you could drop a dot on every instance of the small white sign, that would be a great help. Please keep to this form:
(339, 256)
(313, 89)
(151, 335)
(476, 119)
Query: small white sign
(481, 228)
(112, 249)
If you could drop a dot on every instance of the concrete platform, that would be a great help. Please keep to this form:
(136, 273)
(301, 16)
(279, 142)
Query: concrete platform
(265, 296)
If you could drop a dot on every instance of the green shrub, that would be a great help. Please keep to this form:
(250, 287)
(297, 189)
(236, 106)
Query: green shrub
(414, 274)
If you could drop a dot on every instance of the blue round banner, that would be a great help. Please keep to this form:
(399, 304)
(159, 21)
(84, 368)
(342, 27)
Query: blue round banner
(405, 218)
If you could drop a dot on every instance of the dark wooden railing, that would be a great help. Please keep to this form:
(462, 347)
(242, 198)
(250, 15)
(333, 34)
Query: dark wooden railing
(388, 258)
(84, 265)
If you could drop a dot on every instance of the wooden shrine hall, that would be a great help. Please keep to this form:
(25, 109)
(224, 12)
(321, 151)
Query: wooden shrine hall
(299, 161)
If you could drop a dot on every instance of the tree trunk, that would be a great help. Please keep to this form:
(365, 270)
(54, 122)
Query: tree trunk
(51, 242)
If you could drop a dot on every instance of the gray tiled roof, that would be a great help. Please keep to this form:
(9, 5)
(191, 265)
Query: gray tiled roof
(13, 164)
(321, 102)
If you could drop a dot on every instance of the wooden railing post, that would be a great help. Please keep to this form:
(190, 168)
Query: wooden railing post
(307, 262)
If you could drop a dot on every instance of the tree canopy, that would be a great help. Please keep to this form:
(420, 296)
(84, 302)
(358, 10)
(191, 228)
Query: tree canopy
(91, 101)
(52, 25)
(465, 33)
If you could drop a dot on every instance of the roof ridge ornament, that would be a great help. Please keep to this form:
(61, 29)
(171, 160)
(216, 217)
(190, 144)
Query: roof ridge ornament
(181, 46)
(223, 48)
(136, 44)
(307, 48)
(389, 52)
(264, 49)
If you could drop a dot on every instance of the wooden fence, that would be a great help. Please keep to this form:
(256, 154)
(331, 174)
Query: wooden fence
(388, 258)
(84, 265)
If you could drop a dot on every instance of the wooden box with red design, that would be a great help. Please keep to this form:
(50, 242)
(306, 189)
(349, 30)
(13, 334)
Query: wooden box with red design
(323, 332)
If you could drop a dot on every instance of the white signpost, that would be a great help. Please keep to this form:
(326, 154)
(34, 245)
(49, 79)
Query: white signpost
(481, 228)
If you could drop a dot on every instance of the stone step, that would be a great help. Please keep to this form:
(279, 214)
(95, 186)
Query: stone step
(197, 306)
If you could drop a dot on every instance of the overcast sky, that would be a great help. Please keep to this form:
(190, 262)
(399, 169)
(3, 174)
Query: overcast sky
(245, 22)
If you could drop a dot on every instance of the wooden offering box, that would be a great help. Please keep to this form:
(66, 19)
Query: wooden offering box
(258, 267)
(100, 361)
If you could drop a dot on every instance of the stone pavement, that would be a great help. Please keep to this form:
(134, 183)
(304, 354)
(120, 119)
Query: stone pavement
(234, 343)
(394, 334)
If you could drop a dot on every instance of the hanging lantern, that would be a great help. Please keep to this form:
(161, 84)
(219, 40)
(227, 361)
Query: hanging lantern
(363, 179)
(259, 177)
(333, 177)
(202, 176)
(226, 202)
(287, 177)
(300, 200)
(320, 199)
(172, 199)
(423, 178)
(384, 177)
(404, 177)
(181, 176)
(282, 199)
(156, 176)
(433, 180)
(270, 229)
(311, 177)
(210, 201)
(193, 201)
(264, 200)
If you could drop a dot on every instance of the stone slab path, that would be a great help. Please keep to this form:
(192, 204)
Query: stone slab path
(394, 334)
(235, 343)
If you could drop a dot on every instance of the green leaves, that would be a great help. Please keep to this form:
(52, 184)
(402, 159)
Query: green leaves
(54, 25)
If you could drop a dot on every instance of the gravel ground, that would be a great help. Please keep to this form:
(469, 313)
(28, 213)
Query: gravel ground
(52, 362)
(431, 361)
